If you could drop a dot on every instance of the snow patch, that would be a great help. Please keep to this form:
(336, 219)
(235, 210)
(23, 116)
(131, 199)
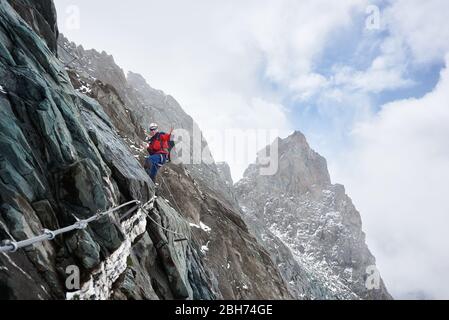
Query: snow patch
(84, 89)
(333, 214)
(202, 226)
(205, 249)
(17, 267)
(43, 289)
(135, 148)
(205, 228)
(99, 286)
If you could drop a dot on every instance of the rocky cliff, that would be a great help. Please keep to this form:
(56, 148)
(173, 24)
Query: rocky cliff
(41, 16)
(309, 225)
(71, 131)
(70, 140)
(62, 159)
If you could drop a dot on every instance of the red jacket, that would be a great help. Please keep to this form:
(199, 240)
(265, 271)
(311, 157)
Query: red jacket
(159, 144)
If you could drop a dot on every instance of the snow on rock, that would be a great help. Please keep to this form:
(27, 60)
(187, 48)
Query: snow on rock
(301, 216)
(101, 280)
(205, 228)
(202, 226)
(85, 89)
(205, 248)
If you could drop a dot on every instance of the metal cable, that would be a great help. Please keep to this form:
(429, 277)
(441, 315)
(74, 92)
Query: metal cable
(47, 235)
(163, 228)
(129, 212)
(173, 198)
(185, 238)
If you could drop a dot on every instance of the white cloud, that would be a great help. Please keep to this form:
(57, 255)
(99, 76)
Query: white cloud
(387, 71)
(417, 34)
(381, 76)
(216, 57)
(422, 26)
(398, 174)
(291, 33)
(398, 171)
(308, 85)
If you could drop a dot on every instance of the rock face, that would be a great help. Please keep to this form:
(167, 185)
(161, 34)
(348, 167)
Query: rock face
(41, 16)
(70, 147)
(234, 260)
(311, 228)
(61, 158)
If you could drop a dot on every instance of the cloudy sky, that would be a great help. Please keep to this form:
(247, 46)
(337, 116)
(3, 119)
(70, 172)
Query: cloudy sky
(366, 81)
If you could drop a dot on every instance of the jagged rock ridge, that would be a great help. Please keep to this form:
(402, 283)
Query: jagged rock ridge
(299, 208)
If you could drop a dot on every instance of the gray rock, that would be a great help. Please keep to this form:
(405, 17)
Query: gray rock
(46, 214)
(50, 168)
(41, 16)
(299, 210)
(235, 264)
(84, 248)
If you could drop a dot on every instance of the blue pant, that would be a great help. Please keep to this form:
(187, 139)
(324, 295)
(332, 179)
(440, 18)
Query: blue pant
(154, 163)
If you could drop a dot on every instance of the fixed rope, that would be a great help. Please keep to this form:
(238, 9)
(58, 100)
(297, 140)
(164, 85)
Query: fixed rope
(163, 228)
(176, 204)
(48, 235)
(167, 230)
(171, 195)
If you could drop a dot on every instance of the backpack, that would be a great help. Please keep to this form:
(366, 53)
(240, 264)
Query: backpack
(166, 146)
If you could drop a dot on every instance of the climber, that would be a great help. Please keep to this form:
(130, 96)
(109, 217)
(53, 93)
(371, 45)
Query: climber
(159, 150)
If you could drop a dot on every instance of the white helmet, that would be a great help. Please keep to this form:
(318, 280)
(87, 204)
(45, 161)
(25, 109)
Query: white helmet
(154, 127)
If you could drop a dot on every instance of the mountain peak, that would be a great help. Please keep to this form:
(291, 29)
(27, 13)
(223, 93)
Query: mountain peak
(300, 168)
(298, 207)
(297, 133)
(297, 138)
